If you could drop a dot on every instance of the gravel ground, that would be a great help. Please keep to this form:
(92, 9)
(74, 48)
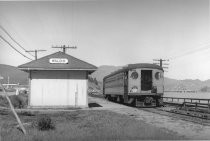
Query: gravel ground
(182, 128)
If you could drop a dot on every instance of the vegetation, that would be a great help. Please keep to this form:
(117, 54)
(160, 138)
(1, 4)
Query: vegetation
(92, 80)
(205, 89)
(44, 123)
(18, 101)
(93, 83)
(83, 125)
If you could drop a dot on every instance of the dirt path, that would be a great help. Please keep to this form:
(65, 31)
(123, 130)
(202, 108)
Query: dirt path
(170, 124)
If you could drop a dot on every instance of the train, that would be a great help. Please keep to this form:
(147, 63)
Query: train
(140, 85)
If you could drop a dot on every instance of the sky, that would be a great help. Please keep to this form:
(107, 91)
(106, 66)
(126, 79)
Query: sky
(112, 32)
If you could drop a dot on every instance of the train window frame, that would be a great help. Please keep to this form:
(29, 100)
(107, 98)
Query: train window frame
(157, 75)
(133, 77)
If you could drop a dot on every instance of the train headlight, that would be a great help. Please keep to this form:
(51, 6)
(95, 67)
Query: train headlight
(134, 89)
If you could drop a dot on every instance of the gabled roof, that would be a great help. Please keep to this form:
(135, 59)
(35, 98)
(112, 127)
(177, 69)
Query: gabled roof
(44, 63)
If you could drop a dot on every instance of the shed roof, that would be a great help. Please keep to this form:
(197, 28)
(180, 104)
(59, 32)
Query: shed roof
(44, 64)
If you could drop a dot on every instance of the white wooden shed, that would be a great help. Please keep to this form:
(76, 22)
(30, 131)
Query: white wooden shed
(58, 80)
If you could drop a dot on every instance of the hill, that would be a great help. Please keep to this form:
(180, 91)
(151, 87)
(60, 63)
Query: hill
(169, 84)
(15, 75)
(103, 71)
(18, 76)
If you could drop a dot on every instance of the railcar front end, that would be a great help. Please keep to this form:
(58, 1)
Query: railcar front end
(141, 85)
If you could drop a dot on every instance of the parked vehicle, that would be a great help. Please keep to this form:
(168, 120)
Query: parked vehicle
(136, 84)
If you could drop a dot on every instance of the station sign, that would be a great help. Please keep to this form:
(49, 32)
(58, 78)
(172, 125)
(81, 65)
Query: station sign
(58, 61)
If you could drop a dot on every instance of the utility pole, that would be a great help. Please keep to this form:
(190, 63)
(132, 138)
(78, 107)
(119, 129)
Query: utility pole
(65, 47)
(35, 51)
(8, 82)
(160, 63)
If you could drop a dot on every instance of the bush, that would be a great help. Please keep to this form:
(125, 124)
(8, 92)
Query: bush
(18, 101)
(45, 123)
(3, 101)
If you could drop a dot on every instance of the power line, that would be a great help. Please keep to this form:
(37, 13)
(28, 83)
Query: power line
(13, 39)
(14, 47)
(65, 47)
(160, 63)
(35, 51)
(205, 47)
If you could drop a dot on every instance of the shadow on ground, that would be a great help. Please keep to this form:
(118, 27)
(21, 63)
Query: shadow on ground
(91, 105)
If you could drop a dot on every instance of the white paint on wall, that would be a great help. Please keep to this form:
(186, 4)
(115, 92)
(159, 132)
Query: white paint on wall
(58, 92)
(58, 89)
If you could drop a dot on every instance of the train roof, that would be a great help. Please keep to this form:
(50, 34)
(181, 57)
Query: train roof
(134, 66)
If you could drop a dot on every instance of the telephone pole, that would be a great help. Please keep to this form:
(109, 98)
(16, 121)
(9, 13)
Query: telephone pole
(65, 47)
(35, 51)
(160, 63)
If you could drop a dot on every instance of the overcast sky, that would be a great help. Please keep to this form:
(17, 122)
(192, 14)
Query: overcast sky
(112, 32)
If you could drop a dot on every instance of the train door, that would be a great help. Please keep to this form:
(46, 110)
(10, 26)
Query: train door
(146, 80)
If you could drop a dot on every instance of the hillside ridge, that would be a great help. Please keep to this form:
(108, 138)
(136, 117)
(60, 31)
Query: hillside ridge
(169, 83)
(13, 74)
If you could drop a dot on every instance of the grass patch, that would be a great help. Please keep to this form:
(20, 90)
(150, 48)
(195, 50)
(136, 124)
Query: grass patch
(84, 125)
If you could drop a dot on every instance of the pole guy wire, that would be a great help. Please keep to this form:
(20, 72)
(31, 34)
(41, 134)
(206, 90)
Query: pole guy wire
(13, 39)
(14, 48)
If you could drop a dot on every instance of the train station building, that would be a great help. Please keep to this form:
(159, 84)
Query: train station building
(58, 80)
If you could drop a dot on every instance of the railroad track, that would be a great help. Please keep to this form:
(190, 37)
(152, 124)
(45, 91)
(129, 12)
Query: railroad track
(191, 116)
(195, 112)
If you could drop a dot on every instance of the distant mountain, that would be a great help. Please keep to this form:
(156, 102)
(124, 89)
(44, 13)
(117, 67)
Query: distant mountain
(187, 84)
(169, 84)
(18, 76)
(103, 71)
(15, 75)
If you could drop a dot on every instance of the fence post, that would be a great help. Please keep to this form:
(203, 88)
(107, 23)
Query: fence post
(196, 106)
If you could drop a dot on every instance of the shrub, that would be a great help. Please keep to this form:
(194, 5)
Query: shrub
(45, 123)
(18, 101)
(3, 101)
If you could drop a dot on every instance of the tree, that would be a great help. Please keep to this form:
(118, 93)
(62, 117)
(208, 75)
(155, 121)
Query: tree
(95, 81)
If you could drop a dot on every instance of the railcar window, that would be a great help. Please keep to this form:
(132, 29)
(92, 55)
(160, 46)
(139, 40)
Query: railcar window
(157, 75)
(134, 75)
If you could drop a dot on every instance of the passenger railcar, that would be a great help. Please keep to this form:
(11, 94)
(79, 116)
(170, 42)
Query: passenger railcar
(138, 84)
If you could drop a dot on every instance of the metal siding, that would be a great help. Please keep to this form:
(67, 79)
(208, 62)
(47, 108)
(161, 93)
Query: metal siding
(115, 90)
(158, 83)
(115, 84)
(134, 82)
